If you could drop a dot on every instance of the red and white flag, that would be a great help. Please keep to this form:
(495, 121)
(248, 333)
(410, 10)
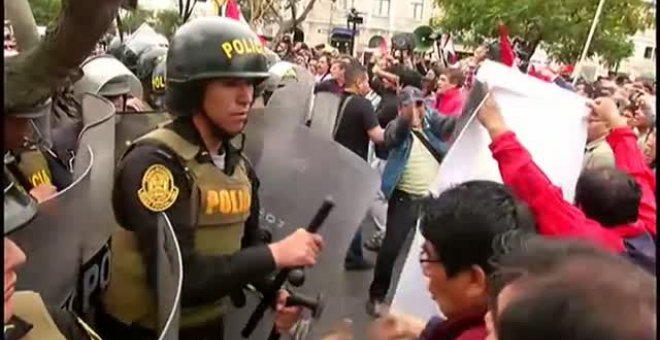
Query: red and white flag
(231, 9)
(447, 45)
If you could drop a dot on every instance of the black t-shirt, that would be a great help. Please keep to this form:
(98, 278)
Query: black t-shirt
(358, 118)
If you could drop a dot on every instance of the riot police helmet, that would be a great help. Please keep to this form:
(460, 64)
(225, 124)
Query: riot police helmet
(148, 60)
(210, 48)
(117, 86)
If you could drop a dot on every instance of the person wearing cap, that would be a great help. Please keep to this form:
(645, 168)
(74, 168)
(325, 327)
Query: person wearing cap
(26, 316)
(416, 143)
(34, 165)
(191, 170)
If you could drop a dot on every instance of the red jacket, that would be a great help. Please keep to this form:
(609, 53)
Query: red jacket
(557, 217)
(450, 103)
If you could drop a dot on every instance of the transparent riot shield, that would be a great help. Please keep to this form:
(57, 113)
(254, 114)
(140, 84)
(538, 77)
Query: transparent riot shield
(52, 241)
(297, 170)
(170, 280)
(68, 243)
(296, 94)
(324, 114)
(98, 134)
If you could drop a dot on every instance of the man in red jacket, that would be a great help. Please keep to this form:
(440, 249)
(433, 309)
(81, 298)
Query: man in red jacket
(615, 208)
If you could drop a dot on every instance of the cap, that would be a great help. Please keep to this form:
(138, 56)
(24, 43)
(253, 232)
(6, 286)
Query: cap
(410, 95)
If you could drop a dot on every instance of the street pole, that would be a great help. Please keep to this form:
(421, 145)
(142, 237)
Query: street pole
(576, 71)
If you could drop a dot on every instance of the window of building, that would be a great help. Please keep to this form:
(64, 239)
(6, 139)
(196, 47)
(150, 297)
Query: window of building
(383, 8)
(418, 9)
(649, 53)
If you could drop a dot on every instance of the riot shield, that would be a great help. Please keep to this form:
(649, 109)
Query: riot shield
(295, 94)
(75, 225)
(133, 125)
(99, 70)
(297, 170)
(52, 241)
(170, 280)
(324, 114)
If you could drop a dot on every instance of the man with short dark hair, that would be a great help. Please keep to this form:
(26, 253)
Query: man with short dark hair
(569, 290)
(337, 82)
(460, 228)
(355, 126)
(415, 142)
(449, 99)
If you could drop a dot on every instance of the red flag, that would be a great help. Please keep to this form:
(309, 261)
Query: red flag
(507, 55)
(232, 10)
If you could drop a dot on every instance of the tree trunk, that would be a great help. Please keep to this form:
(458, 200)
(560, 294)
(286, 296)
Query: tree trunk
(33, 76)
(22, 21)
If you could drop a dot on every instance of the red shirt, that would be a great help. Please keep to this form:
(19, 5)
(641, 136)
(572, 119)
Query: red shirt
(557, 217)
(450, 103)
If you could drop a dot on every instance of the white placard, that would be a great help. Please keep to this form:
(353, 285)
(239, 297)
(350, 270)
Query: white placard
(548, 120)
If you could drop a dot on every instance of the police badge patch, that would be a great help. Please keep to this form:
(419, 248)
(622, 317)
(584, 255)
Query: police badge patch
(158, 191)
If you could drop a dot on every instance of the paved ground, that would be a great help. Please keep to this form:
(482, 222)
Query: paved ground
(345, 299)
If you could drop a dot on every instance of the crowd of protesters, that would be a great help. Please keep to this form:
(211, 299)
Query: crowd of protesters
(504, 261)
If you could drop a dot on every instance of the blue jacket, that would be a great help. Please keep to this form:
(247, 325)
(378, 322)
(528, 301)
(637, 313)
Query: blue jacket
(398, 141)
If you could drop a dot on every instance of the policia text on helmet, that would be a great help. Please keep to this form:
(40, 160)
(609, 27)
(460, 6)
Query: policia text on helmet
(25, 314)
(213, 65)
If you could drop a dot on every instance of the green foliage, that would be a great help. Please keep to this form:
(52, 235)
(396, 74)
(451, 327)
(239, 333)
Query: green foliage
(561, 25)
(166, 22)
(131, 20)
(45, 11)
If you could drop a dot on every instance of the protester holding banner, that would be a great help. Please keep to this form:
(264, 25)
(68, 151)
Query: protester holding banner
(190, 170)
(570, 290)
(25, 314)
(615, 208)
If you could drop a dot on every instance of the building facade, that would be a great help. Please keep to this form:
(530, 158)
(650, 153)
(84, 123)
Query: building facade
(382, 19)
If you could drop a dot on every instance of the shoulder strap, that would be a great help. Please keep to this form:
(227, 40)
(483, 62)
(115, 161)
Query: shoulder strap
(184, 149)
(428, 146)
(340, 115)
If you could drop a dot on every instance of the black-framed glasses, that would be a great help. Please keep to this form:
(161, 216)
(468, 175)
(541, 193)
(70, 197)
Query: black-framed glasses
(424, 257)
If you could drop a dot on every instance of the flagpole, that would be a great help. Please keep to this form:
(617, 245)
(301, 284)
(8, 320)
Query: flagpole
(588, 44)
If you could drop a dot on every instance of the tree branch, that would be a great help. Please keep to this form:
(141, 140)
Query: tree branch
(34, 75)
(279, 17)
(305, 12)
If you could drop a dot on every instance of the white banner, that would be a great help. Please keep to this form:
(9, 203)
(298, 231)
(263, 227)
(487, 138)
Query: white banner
(548, 120)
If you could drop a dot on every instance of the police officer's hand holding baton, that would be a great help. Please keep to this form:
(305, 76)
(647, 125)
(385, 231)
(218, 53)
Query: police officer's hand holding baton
(290, 255)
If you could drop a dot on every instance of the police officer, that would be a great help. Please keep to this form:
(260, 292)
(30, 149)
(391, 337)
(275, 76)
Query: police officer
(25, 314)
(191, 170)
(37, 169)
(151, 72)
